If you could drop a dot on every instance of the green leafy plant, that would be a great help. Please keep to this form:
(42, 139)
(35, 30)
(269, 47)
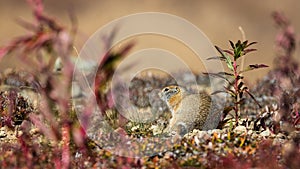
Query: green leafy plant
(236, 86)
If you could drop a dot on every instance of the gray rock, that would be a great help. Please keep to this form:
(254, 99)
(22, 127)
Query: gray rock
(295, 135)
(3, 132)
(240, 130)
(265, 133)
(250, 132)
(218, 131)
(202, 136)
(279, 139)
(281, 136)
(255, 136)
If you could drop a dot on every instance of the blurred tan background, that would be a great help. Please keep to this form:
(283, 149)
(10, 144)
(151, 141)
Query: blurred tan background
(219, 20)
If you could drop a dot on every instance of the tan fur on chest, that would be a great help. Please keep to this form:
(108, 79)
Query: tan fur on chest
(175, 103)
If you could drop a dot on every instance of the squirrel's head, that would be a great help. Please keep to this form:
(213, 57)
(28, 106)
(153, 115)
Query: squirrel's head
(172, 95)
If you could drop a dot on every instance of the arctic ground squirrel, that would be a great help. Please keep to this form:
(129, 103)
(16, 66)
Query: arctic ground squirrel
(189, 111)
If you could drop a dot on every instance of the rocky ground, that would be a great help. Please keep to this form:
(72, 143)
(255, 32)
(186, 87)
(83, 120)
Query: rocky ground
(143, 145)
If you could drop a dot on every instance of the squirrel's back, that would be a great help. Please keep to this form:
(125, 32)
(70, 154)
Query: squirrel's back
(194, 110)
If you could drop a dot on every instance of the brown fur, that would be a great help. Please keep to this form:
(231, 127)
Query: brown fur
(189, 111)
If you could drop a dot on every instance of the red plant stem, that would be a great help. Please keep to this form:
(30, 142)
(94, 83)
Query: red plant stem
(66, 147)
(236, 106)
(25, 150)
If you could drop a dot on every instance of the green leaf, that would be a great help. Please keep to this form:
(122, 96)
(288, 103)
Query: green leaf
(227, 58)
(229, 63)
(238, 52)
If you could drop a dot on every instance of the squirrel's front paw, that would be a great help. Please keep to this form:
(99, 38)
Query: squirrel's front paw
(181, 128)
(178, 129)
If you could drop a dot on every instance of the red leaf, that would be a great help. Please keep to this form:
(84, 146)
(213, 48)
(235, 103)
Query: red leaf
(127, 48)
(218, 91)
(27, 25)
(229, 52)
(37, 6)
(253, 98)
(256, 66)
(252, 67)
(252, 43)
(3, 52)
(41, 39)
(249, 50)
(218, 75)
(217, 58)
(231, 44)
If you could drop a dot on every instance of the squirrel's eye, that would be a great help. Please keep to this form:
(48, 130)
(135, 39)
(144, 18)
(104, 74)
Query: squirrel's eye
(166, 89)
